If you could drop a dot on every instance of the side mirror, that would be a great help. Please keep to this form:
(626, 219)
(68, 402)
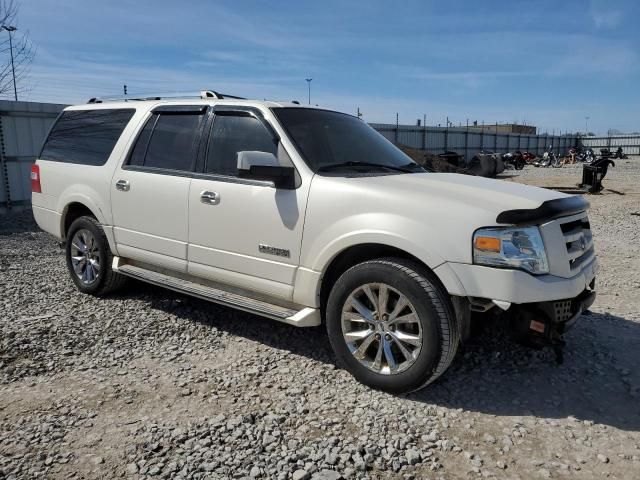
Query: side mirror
(265, 166)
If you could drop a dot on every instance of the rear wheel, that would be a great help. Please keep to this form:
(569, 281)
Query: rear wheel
(89, 258)
(391, 325)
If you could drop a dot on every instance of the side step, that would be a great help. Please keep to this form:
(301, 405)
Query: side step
(307, 317)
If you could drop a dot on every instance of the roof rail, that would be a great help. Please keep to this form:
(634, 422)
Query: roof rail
(202, 94)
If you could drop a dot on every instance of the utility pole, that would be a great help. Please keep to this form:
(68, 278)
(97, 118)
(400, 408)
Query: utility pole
(397, 128)
(10, 28)
(359, 113)
(309, 85)
(586, 126)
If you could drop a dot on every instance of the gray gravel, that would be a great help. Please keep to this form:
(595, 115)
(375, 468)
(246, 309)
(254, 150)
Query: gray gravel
(151, 384)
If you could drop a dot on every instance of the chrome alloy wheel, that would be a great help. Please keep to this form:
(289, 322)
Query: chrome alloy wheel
(381, 328)
(85, 256)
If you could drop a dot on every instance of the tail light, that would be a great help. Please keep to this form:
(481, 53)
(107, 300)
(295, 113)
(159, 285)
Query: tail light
(35, 179)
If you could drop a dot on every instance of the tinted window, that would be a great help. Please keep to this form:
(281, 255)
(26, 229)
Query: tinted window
(85, 136)
(173, 142)
(232, 134)
(330, 138)
(140, 148)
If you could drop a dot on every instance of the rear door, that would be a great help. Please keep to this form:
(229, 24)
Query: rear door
(244, 232)
(150, 190)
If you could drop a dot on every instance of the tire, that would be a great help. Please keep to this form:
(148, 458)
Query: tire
(435, 325)
(100, 279)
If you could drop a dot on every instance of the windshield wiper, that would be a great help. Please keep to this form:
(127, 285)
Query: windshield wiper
(413, 167)
(333, 166)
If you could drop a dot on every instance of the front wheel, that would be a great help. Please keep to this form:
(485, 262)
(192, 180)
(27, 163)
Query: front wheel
(391, 325)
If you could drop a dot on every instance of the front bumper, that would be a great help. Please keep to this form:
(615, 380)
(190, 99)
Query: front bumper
(513, 286)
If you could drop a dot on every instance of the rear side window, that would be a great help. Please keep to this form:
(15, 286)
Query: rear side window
(85, 136)
(232, 134)
(168, 141)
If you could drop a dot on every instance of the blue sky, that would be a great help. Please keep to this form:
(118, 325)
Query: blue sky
(549, 63)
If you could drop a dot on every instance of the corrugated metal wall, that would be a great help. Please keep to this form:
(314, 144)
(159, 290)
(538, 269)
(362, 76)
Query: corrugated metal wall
(24, 125)
(630, 143)
(23, 128)
(470, 142)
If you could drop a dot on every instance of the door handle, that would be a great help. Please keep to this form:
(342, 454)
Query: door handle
(123, 185)
(210, 198)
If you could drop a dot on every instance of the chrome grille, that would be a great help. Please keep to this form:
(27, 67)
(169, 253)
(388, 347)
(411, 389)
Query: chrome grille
(579, 242)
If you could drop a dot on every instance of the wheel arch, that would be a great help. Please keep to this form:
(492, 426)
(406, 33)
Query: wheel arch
(71, 212)
(78, 207)
(355, 254)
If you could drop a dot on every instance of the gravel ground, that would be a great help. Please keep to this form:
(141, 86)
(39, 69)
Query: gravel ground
(152, 384)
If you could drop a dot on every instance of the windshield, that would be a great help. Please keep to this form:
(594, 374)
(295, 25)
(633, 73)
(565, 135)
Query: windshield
(335, 142)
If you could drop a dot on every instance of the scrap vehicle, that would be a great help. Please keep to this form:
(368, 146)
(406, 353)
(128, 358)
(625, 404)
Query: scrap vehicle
(309, 217)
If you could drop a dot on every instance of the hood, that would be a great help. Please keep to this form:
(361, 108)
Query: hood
(495, 194)
(430, 215)
(489, 195)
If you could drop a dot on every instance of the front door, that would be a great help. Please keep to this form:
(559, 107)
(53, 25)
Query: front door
(150, 191)
(244, 232)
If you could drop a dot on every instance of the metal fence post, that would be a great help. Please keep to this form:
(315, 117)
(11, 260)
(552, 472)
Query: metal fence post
(4, 170)
(397, 128)
(446, 136)
(466, 142)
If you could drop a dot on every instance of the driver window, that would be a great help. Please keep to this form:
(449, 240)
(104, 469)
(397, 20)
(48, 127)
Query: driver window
(232, 134)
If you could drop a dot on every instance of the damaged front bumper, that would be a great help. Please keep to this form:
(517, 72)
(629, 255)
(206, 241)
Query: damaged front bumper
(544, 323)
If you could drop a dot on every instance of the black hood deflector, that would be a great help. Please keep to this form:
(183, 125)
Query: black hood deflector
(559, 207)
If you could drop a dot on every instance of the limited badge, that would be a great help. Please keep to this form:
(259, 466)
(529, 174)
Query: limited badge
(269, 250)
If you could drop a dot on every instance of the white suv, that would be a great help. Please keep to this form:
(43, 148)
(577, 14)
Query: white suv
(310, 217)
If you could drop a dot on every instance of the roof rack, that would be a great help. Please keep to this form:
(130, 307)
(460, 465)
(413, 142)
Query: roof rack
(202, 94)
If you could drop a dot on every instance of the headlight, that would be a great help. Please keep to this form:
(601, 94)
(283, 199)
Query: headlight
(510, 247)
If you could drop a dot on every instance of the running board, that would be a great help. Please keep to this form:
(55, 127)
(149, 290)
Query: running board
(307, 317)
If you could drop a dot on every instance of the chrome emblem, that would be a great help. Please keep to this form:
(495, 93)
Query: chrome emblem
(269, 250)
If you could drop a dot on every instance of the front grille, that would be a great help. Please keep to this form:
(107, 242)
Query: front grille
(579, 242)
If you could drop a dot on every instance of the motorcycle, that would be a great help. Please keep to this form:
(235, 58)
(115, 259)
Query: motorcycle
(620, 154)
(606, 153)
(529, 157)
(514, 160)
(549, 159)
(586, 156)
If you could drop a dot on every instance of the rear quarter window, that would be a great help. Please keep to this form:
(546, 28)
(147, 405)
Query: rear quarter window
(85, 137)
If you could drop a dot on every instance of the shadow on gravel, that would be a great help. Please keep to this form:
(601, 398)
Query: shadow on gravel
(16, 221)
(598, 382)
